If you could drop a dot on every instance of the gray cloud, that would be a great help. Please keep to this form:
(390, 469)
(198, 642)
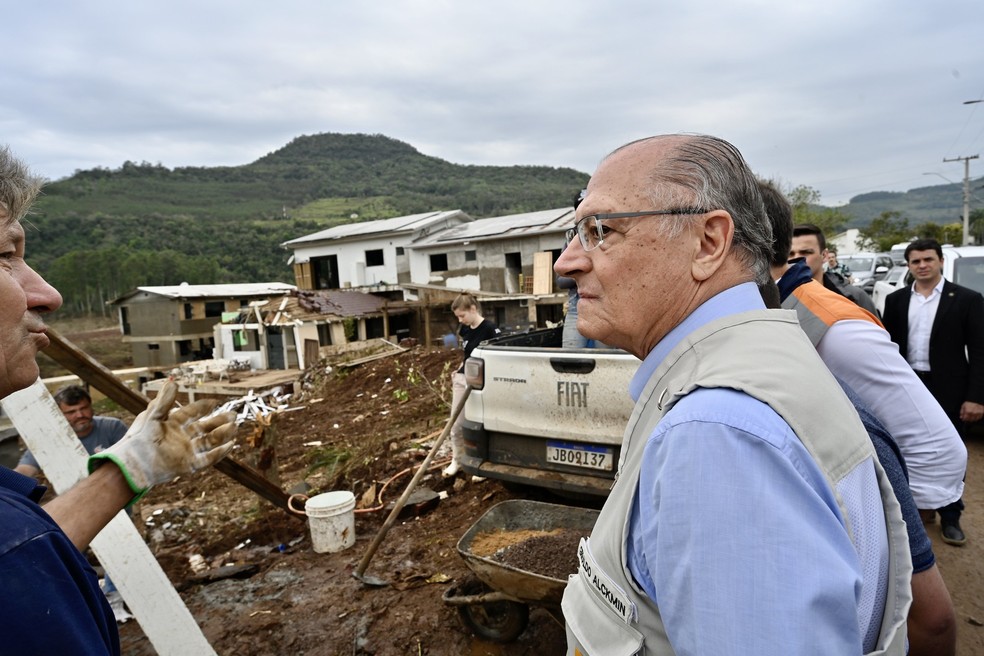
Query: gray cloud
(843, 96)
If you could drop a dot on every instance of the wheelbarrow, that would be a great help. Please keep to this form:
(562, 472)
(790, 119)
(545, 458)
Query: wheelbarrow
(495, 603)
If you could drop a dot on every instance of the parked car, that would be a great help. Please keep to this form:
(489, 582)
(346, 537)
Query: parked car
(897, 276)
(963, 265)
(867, 268)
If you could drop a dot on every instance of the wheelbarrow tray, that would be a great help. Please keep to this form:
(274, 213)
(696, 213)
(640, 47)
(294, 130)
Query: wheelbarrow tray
(517, 515)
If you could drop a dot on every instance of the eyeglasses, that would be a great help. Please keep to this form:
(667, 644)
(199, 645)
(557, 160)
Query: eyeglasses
(591, 231)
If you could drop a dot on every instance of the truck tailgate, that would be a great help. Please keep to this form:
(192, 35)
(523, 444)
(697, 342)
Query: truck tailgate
(548, 392)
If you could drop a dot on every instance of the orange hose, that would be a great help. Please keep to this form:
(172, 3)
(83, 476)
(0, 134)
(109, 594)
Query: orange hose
(392, 478)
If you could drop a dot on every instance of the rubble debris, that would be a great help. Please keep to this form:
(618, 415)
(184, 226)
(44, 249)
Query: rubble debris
(220, 574)
(253, 407)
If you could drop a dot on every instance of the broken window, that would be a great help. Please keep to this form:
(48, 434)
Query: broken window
(374, 328)
(324, 334)
(325, 272)
(513, 272)
(374, 257)
(439, 262)
(247, 339)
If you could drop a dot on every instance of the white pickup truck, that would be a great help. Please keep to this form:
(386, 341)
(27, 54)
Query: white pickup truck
(545, 416)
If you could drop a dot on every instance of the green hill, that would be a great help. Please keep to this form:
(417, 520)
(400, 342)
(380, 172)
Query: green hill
(937, 204)
(102, 232)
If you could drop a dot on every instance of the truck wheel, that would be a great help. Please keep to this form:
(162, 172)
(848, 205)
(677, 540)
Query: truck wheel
(498, 621)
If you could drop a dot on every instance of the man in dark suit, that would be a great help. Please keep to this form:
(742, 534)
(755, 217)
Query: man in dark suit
(939, 327)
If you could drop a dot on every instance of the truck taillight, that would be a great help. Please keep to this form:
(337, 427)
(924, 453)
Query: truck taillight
(475, 373)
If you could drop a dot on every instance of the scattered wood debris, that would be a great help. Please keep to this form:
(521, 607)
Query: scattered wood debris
(253, 407)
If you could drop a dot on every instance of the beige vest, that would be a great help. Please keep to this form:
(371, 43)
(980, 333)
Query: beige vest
(754, 352)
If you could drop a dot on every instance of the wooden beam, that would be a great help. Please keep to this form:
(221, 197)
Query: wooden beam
(99, 376)
(94, 373)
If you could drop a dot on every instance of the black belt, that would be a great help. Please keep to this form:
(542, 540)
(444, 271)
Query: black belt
(924, 376)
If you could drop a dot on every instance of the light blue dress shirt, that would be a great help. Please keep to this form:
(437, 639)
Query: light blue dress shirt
(735, 532)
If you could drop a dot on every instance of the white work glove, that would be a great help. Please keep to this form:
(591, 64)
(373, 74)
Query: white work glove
(161, 445)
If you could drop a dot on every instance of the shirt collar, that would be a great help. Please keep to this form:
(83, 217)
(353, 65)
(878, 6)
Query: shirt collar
(23, 485)
(740, 298)
(938, 289)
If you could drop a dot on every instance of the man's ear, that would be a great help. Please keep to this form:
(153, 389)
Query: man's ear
(714, 234)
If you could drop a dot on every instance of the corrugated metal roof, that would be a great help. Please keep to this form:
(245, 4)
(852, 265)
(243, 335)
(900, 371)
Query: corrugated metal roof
(500, 227)
(185, 290)
(396, 224)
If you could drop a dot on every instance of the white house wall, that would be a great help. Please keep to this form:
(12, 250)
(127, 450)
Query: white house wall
(225, 348)
(486, 272)
(351, 255)
(463, 282)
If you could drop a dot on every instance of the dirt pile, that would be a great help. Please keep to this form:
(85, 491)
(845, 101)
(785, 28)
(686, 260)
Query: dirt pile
(360, 429)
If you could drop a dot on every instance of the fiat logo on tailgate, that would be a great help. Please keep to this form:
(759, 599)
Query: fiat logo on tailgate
(572, 394)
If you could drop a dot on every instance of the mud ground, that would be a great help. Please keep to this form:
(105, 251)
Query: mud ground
(352, 430)
(361, 430)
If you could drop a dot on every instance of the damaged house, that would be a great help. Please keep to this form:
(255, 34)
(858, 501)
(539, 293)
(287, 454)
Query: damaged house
(168, 325)
(507, 261)
(295, 330)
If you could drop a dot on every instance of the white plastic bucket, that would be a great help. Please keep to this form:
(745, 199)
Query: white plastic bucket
(331, 518)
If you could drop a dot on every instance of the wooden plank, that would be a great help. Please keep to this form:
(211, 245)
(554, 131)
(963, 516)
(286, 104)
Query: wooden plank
(142, 583)
(276, 317)
(370, 358)
(91, 371)
(543, 276)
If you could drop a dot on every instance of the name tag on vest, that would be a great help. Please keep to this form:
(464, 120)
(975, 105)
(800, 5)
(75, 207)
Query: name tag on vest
(595, 578)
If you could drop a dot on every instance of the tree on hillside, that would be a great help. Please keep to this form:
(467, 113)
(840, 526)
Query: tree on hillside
(977, 225)
(892, 228)
(87, 279)
(883, 232)
(806, 209)
(951, 233)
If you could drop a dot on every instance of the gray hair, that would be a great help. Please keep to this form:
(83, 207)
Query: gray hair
(710, 173)
(18, 187)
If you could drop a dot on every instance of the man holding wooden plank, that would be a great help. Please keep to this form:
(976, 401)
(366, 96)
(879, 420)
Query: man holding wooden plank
(51, 602)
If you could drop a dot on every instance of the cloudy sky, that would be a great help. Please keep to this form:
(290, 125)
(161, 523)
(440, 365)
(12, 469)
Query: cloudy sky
(844, 96)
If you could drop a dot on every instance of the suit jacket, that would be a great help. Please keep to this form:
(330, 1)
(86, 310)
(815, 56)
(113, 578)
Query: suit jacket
(956, 344)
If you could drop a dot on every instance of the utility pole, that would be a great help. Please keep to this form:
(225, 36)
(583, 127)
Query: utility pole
(966, 207)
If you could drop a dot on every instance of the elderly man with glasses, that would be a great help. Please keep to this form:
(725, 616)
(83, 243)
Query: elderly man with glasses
(750, 514)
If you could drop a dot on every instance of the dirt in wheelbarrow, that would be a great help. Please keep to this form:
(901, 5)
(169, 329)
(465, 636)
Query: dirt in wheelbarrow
(360, 429)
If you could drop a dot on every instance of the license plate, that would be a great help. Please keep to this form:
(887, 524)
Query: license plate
(579, 455)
